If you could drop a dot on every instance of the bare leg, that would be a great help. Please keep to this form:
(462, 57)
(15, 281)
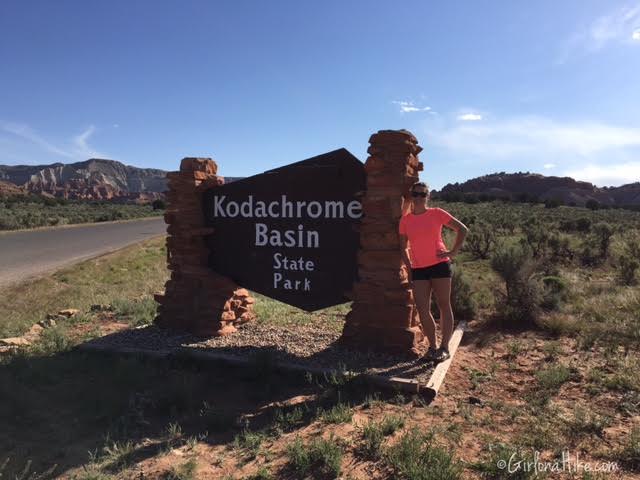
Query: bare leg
(422, 294)
(442, 290)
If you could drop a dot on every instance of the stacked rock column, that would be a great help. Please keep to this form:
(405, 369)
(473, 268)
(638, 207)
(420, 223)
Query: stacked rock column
(383, 314)
(196, 299)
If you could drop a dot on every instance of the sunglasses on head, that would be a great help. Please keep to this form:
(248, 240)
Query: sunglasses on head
(419, 194)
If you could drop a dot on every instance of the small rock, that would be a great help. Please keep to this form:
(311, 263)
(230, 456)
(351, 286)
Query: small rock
(68, 312)
(33, 333)
(15, 342)
(48, 323)
(7, 350)
(476, 401)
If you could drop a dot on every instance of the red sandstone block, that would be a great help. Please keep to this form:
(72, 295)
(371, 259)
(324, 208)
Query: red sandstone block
(228, 316)
(375, 164)
(392, 190)
(241, 292)
(393, 136)
(190, 164)
(246, 317)
(380, 241)
(380, 258)
(376, 208)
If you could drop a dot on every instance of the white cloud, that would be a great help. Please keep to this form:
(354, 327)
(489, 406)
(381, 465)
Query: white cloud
(527, 134)
(407, 107)
(470, 117)
(530, 139)
(27, 133)
(611, 174)
(618, 27)
(81, 148)
(77, 149)
(549, 165)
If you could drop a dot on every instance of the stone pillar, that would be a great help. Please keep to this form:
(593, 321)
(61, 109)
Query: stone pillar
(383, 314)
(196, 299)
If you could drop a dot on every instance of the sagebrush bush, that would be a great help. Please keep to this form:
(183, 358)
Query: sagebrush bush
(560, 248)
(602, 233)
(536, 237)
(481, 240)
(416, 456)
(628, 262)
(321, 458)
(520, 307)
(464, 304)
(555, 292)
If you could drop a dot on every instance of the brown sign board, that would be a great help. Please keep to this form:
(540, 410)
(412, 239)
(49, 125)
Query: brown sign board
(290, 233)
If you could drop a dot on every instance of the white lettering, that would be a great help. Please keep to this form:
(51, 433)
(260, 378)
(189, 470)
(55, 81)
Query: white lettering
(217, 206)
(357, 206)
(261, 234)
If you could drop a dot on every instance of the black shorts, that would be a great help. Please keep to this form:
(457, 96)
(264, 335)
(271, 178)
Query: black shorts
(439, 270)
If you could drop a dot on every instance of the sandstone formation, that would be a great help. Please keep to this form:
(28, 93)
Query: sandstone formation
(196, 299)
(94, 179)
(567, 189)
(383, 314)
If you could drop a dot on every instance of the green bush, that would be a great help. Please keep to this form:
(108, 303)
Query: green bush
(464, 304)
(416, 456)
(519, 308)
(321, 458)
(555, 292)
(481, 240)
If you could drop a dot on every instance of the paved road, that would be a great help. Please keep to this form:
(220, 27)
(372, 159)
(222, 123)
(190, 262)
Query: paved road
(32, 253)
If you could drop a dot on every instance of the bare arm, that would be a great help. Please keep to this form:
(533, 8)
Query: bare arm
(405, 251)
(461, 232)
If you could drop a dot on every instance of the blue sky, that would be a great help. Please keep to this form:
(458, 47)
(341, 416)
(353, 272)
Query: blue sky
(546, 86)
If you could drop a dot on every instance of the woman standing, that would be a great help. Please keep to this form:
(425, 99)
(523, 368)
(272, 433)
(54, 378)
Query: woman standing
(429, 263)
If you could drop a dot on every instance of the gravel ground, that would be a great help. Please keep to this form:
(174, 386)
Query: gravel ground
(312, 346)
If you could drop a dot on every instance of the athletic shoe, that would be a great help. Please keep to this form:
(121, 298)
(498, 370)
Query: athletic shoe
(442, 354)
(431, 355)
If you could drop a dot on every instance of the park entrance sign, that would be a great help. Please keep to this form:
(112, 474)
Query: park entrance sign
(312, 234)
(290, 233)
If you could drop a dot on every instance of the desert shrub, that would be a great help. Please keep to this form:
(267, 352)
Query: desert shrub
(374, 433)
(417, 456)
(536, 237)
(500, 456)
(627, 263)
(588, 255)
(137, 312)
(520, 306)
(560, 248)
(158, 205)
(627, 267)
(481, 240)
(602, 233)
(321, 458)
(592, 204)
(555, 291)
(582, 225)
(553, 202)
(464, 304)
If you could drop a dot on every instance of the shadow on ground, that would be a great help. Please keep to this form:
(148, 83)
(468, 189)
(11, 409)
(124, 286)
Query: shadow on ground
(64, 408)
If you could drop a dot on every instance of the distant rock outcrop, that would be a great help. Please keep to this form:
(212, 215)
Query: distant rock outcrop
(8, 189)
(94, 179)
(565, 189)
